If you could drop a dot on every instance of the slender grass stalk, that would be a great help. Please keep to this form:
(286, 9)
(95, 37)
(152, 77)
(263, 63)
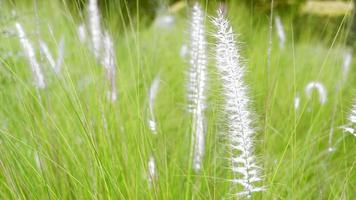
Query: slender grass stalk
(31, 56)
(197, 83)
(240, 133)
(95, 27)
(270, 43)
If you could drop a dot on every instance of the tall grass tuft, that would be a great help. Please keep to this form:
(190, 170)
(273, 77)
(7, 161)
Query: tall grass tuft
(197, 83)
(240, 131)
(31, 56)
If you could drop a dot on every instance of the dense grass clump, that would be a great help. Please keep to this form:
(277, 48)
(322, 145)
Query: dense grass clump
(74, 139)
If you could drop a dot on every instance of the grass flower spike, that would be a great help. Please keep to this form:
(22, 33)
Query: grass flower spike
(152, 176)
(321, 91)
(56, 65)
(351, 128)
(31, 56)
(47, 53)
(82, 33)
(108, 62)
(95, 29)
(280, 32)
(197, 83)
(240, 133)
(152, 96)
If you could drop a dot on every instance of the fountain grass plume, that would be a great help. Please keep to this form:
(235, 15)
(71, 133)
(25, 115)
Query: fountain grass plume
(31, 56)
(351, 127)
(45, 50)
(152, 124)
(56, 65)
(60, 56)
(197, 83)
(280, 32)
(82, 32)
(109, 64)
(239, 116)
(320, 88)
(152, 172)
(95, 27)
(152, 96)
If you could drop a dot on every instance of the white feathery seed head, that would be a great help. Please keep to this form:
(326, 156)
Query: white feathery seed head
(109, 64)
(56, 65)
(37, 160)
(31, 56)
(47, 53)
(95, 27)
(280, 32)
(165, 21)
(60, 56)
(82, 33)
(152, 175)
(296, 101)
(240, 131)
(108, 60)
(320, 88)
(351, 127)
(346, 65)
(197, 83)
(152, 124)
(184, 51)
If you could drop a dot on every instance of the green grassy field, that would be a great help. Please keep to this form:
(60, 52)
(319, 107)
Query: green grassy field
(68, 141)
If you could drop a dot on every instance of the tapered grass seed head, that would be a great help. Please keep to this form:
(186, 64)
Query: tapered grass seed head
(45, 50)
(152, 124)
(351, 127)
(296, 101)
(95, 27)
(60, 56)
(152, 174)
(109, 64)
(346, 65)
(239, 118)
(56, 65)
(280, 32)
(82, 33)
(197, 83)
(31, 56)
